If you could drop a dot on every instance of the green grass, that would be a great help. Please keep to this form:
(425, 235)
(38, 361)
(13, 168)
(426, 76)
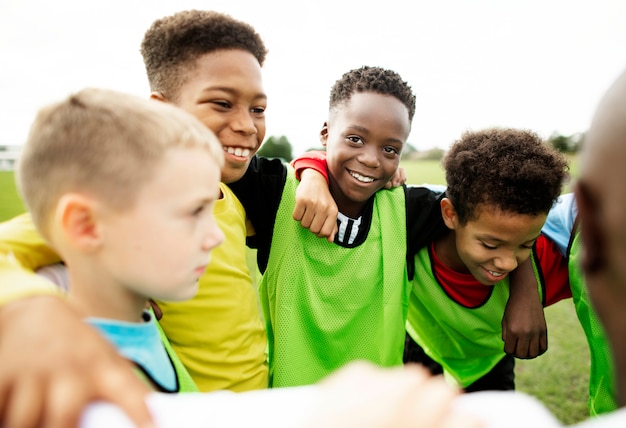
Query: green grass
(10, 202)
(431, 172)
(558, 378)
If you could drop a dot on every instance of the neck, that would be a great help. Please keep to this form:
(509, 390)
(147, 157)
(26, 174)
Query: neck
(345, 205)
(445, 248)
(94, 297)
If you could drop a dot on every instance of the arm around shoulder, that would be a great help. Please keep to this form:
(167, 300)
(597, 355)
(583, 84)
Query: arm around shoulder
(20, 241)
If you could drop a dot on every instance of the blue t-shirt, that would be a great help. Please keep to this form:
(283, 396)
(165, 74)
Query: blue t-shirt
(140, 343)
(560, 221)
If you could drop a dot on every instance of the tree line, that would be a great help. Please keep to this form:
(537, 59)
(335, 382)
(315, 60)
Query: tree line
(280, 147)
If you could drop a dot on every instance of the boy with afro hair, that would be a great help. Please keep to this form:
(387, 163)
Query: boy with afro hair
(502, 184)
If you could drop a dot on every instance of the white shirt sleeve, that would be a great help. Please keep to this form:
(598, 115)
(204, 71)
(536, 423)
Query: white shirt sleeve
(271, 408)
(509, 409)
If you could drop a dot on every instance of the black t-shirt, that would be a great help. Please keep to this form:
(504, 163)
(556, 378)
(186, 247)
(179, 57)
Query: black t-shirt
(260, 191)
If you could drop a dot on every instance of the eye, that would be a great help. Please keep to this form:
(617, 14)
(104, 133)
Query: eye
(391, 150)
(258, 110)
(489, 247)
(199, 210)
(221, 104)
(528, 246)
(354, 139)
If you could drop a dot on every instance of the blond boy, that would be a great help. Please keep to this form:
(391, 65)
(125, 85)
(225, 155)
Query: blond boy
(123, 188)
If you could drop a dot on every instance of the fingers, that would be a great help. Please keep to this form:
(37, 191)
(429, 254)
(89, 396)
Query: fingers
(536, 346)
(525, 348)
(364, 396)
(532, 350)
(65, 399)
(543, 344)
(128, 393)
(331, 236)
(398, 179)
(24, 404)
(318, 217)
(51, 371)
(298, 212)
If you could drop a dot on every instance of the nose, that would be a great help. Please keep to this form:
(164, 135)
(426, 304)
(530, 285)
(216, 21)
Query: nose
(506, 262)
(243, 122)
(369, 156)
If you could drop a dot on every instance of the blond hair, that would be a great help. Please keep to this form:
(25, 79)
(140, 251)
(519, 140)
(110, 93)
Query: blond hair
(105, 144)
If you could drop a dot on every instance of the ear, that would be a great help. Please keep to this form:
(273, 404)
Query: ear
(158, 96)
(593, 258)
(77, 218)
(324, 134)
(448, 213)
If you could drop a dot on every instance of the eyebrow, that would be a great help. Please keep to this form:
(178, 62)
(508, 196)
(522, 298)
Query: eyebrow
(488, 237)
(362, 129)
(233, 91)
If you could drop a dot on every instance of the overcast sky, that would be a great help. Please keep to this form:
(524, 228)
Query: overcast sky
(536, 64)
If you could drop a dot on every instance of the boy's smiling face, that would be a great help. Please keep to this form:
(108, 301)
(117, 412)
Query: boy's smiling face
(225, 91)
(364, 139)
(492, 244)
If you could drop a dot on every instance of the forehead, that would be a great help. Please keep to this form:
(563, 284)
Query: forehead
(505, 225)
(369, 108)
(232, 68)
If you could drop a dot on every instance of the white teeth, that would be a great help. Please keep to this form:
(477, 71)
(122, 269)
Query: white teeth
(361, 177)
(495, 273)
(237, 151)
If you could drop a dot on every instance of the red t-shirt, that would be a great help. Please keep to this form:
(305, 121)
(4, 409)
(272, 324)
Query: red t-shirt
(314, 159)
(467, 291)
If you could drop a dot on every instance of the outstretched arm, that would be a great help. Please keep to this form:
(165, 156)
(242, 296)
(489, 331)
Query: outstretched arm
(53, 365)
(524, 329)
(316, 208)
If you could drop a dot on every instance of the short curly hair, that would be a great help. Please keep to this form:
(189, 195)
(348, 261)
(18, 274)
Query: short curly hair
(372, 79)
(172, 45)
(511, 169)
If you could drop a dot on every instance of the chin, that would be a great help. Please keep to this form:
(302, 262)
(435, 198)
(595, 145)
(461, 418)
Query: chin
(183, 294)
(233, 174)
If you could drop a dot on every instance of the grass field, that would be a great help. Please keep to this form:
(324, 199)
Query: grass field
(558, 378)
(431, 171)
(10, 202)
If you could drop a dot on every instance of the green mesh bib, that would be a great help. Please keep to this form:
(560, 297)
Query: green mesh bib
(467, 342)
(601, 374)
(326, 305)
(185, 382)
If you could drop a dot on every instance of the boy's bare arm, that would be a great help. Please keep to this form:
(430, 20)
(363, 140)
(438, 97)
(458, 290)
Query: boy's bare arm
(53, 365)
(316, 208)
(398, 179)
(22, 243)
(524, 329)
